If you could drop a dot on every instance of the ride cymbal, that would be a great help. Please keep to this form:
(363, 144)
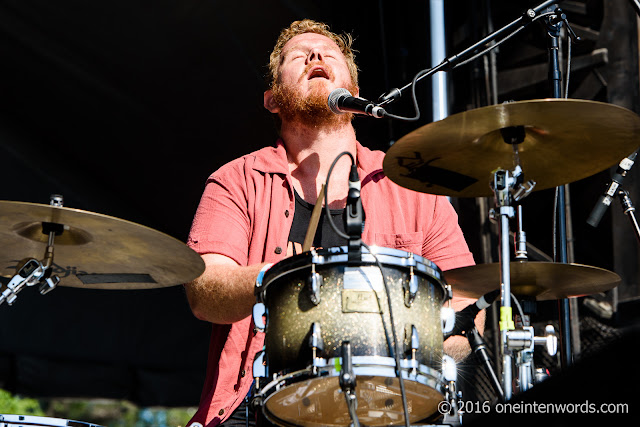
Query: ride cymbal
(94, 251)
(535, 280)
(562, 141)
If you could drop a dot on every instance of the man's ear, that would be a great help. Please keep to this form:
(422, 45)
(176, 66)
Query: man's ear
(269, 103)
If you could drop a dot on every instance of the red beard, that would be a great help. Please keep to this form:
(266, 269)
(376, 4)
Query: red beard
(312, 110)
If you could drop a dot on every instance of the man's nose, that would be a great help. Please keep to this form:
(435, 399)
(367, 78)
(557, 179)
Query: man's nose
(314, 55)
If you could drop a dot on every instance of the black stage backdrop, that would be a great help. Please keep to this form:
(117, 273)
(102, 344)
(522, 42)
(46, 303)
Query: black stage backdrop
(125, 108)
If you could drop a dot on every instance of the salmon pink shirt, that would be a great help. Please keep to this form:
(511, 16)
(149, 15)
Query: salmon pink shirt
(246, 212)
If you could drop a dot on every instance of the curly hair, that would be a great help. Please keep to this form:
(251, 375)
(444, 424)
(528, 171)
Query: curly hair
(344, 42)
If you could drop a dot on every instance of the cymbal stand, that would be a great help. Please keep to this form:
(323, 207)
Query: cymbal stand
(502, 183)
(33, 272)
(507, 188)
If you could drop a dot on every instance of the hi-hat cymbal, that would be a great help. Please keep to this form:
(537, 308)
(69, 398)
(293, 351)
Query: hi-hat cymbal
(565, 140)
(94, 251)
(535, 280)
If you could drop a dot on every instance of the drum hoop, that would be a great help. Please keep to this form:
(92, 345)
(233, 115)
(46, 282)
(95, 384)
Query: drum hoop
(37, 421)
(386, 256)
(362, 365)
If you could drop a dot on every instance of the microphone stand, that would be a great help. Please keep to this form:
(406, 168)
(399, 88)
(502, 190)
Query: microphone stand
(554, 23)
(450, 63)
(479, 348)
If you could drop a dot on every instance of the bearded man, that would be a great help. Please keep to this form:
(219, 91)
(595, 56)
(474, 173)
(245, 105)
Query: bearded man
(255, 209)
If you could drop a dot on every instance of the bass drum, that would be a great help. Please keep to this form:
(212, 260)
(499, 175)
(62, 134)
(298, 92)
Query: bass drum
(311, 303)
(33, 421)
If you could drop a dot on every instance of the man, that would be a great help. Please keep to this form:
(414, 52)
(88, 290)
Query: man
(250, 206)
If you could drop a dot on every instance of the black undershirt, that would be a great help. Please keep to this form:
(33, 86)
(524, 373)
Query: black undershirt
(325, 236)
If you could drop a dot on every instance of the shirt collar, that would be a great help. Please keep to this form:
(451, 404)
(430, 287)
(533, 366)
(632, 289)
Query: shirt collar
(369, 162)
(276, 162)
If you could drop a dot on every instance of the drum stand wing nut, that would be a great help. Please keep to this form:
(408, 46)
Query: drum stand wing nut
(524, 339)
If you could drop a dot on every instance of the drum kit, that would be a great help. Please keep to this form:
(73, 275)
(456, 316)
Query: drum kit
(338, 353)
(83, 250)
(351, 340)
(313, 304)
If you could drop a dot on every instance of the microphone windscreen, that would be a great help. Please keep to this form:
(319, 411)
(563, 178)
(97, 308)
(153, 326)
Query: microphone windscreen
(334, 97)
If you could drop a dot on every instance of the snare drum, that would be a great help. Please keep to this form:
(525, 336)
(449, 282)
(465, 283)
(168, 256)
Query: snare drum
(311, 303)
(33, 421)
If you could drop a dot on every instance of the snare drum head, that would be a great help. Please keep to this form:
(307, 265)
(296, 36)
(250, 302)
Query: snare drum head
(10, 420)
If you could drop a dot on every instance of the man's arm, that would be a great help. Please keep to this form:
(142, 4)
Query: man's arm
(224, 292)
(458, 346)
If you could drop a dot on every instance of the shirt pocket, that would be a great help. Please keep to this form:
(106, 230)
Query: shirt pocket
(409, 242)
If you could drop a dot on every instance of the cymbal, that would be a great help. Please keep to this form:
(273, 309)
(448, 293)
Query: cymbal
(536, 280)
(94, 251)
(565, 140)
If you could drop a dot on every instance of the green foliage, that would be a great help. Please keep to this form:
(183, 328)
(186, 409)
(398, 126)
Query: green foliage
(104, 412)
(10, 404)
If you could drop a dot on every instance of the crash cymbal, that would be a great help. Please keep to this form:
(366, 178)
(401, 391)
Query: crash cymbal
(535, 280)
(565, 140)
(94, 251)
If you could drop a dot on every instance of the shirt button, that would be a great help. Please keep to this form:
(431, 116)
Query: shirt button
(221, 411)
(278, 250)
(286, 213)
(243, 373)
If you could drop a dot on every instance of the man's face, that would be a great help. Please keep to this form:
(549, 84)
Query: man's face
(312, 66)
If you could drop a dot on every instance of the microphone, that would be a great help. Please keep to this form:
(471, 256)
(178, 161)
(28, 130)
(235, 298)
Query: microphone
(465, 317)
(341, 101)
(354, 215)
(616, 181)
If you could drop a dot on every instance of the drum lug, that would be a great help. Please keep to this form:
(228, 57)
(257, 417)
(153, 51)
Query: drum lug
(314, 282)
(259, 365)
(411, 340)
(259, 316)
(411, 344)
(410, 288)
(448, 318)
(317, 347)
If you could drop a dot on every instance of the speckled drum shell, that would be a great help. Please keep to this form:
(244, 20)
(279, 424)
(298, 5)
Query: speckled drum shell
(291, 312)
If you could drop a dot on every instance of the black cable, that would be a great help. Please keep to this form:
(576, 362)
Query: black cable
(518, 306)
(396, 350)
(393, 349)
(326, 194)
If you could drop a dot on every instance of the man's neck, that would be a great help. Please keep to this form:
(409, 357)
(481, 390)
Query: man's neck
(327, 143)
(311, 151)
